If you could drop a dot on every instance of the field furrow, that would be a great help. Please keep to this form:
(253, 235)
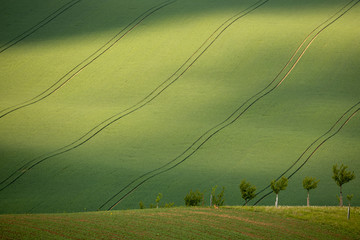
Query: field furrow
(155, 93)
(195, 146)
(39, 25)
(121, 100)
(334, 130)
(85, 63)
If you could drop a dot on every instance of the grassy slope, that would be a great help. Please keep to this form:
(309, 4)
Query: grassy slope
(258, 147)
(187, 223)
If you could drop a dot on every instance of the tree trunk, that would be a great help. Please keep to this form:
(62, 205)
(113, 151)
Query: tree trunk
(277, 200)
(348, 215)
(341, 198)
(308, 199)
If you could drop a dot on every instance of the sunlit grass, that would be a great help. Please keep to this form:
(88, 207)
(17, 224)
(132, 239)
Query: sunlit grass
(333, 216)
(185, 223)
(258, 147)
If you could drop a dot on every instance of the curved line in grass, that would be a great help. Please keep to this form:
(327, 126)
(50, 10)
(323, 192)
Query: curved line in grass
(34, 100)
(314, 151)
(39, 25)
(321, 135)
(75, 71)
(82, 140)
(64, 149)
(347, 120)
(218, 125)
(308, 148)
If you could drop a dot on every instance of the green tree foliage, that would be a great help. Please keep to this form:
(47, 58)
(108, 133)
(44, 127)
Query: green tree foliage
(158, 198)
(342, 176)
(169, 205)
(194, 198)
(308, 184)
(278, 186)
(247, 191)
(219, 199)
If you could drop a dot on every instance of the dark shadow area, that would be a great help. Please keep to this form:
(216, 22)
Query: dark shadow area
(88, 16)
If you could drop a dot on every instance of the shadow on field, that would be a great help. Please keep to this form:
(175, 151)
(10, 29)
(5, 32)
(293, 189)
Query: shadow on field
(89, 16)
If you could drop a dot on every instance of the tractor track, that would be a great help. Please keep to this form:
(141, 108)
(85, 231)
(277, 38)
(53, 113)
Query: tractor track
(224, 124)
(85, 63)
(155, 93)
(309, 147)
(67, 148)
(39, 25)
(317, 148)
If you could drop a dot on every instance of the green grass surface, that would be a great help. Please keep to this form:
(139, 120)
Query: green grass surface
(258, 147)
(187, 223)
(335, 217)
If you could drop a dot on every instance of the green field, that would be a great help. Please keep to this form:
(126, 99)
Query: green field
(187, 223)
(145, 97)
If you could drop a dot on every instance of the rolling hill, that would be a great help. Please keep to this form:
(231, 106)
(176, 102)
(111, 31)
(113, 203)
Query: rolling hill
(115, 101)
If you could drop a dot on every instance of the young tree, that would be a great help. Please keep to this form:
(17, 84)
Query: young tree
(277, 186)
(219, 199)
(349, 197)
(194, 198)
(308, 184)
(247, 191)
(342, 176)
(158, 198)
